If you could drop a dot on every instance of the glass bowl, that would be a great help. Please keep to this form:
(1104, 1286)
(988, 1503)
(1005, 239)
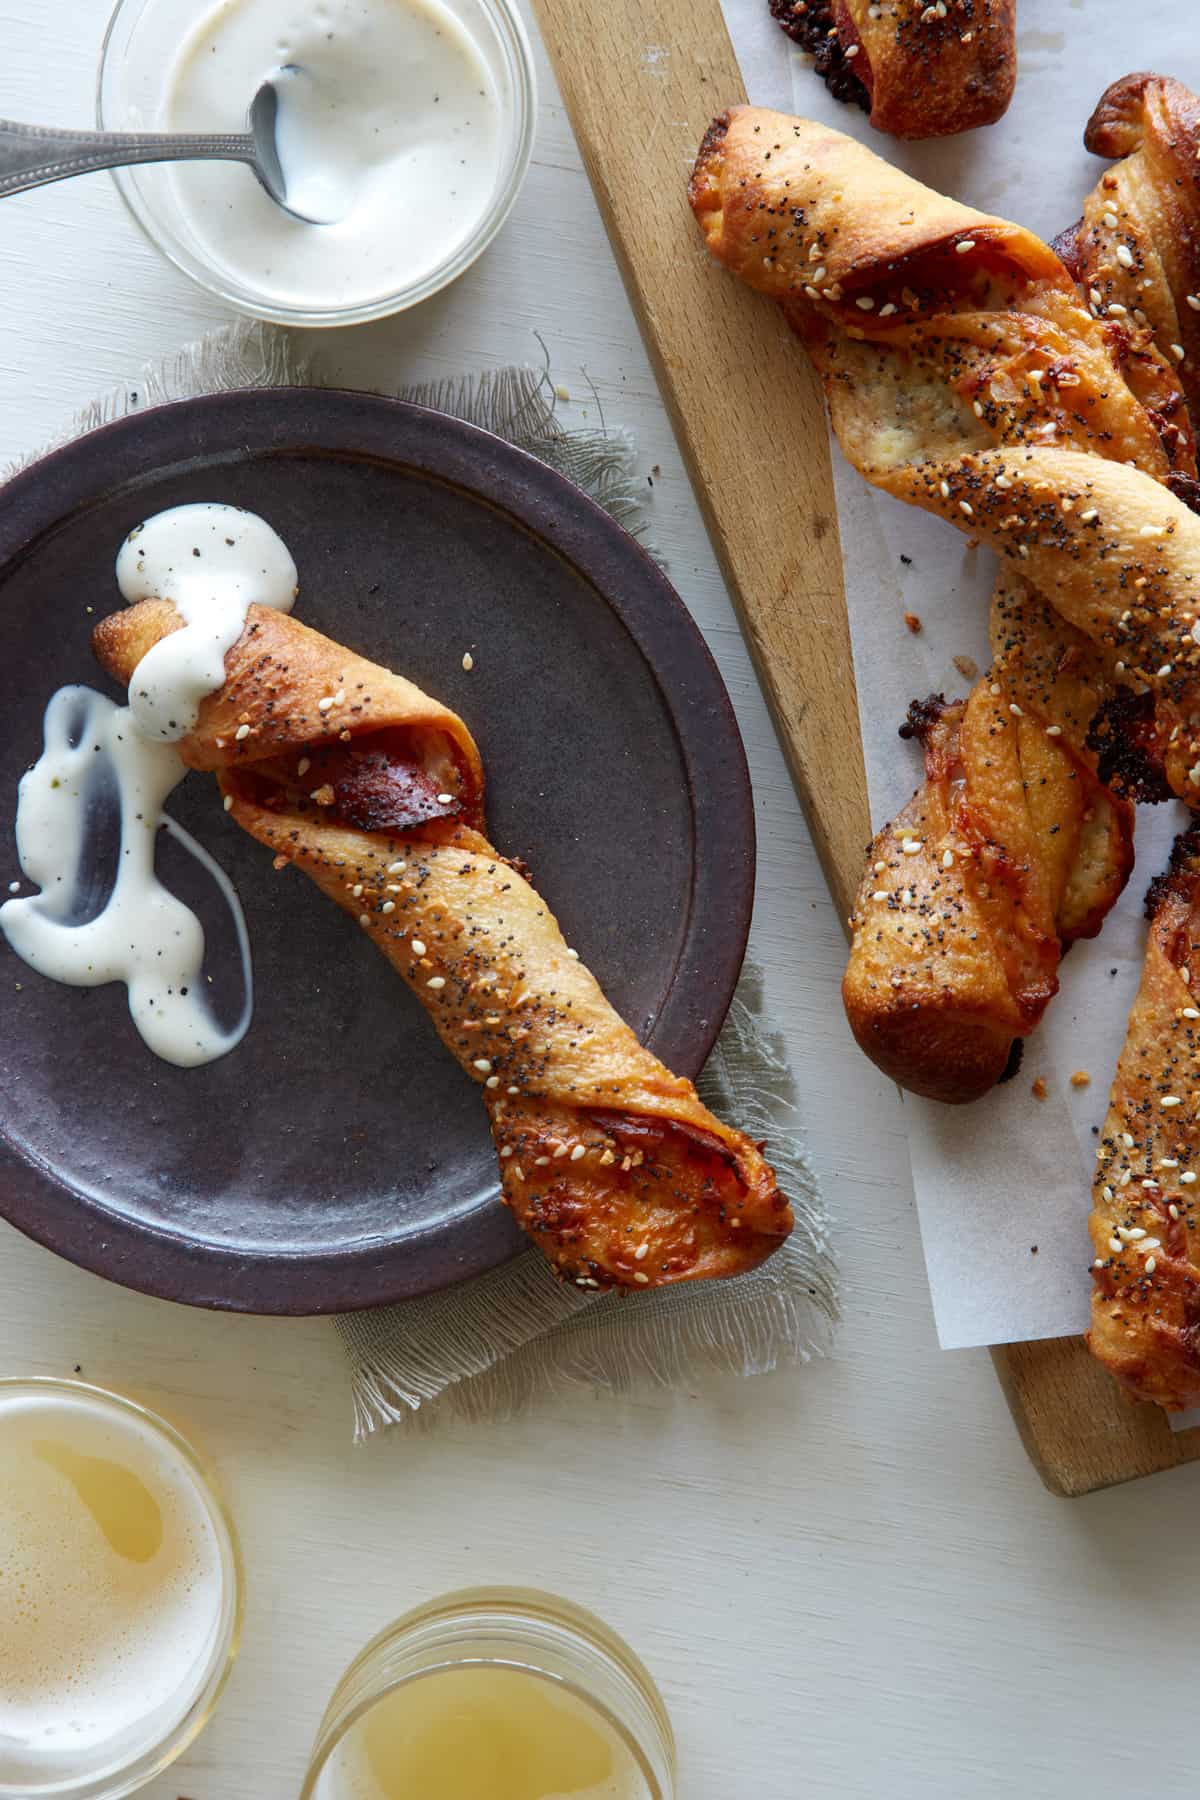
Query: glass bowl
(122, 1763)
(143, 41)
(508, 1629)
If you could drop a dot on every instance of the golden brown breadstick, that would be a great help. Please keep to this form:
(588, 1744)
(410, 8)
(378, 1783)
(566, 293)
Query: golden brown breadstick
(1145, 1223)
(967, 372)
(611, 1163)
(922, 70)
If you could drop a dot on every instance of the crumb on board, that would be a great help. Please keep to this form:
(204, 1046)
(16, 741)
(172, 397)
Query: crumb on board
(560, 392)
(1039, 1089)
(1081, 1078)
(906, 560)
(913, 621)
(967, 667)
(468, 662)
(1033, 1249)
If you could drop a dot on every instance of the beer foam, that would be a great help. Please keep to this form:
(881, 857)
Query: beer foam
(111, 1587)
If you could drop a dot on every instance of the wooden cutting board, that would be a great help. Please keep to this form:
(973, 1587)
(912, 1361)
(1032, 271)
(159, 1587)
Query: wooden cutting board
(642, 79)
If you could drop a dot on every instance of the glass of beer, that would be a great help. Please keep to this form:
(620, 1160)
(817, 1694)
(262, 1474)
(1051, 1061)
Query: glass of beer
(494, 1694)
(120, 1593)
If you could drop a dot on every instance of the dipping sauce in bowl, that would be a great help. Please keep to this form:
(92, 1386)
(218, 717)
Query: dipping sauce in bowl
(404, 127)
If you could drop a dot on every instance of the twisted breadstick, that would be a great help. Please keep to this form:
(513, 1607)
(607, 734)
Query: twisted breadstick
(1145, 1222)
(613, 1165)
(967, 373)
(1138, 252)
(923, 70)
(1011, 850)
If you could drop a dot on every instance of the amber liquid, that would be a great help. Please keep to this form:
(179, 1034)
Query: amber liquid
(482, 1733)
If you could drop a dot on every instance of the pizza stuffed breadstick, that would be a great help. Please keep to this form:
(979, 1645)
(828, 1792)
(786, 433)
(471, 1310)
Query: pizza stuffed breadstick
(1145, 1221)
(921, 70)
(968, 373)
(612, 1164)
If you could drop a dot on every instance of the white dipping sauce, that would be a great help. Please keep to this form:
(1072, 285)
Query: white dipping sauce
(214, 562)
(391, 131)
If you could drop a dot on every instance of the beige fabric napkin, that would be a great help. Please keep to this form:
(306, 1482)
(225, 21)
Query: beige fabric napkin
(487, 1346)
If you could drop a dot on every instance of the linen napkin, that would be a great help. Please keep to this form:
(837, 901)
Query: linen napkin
(487, 1346)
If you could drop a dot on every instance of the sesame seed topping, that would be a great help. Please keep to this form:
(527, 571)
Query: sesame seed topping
(1114, 1245)
(573, 954)
(947, 859)
(944, 487)
(445, 799)
(964, 506)
(1151, 1265)
(578, 1152)
(641, 1253)
(1170, 1100)
(880, 894)
(418, 948)
(912, 847)
(865, 303)
(483, 1065)
(389, 906)
(507, 1150)
(1054, 731)
(493, 1081)
(242, 733)
(1173, 1210)
(1193, 301)
(642, 1279)
(364, 918)
(227, 803)
(325, 705)
(1178, 352)
(1187, 1178)
(964, 244)
(1085, 518)
(436, 982)
(1125, 256)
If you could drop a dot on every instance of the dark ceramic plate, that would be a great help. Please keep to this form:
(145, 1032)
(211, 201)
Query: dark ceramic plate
(338, 1158)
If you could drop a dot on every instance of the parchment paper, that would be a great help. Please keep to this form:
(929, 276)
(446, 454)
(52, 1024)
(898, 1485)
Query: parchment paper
(1002, 1187)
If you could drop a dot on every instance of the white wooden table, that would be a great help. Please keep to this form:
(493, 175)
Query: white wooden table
(847, 1578)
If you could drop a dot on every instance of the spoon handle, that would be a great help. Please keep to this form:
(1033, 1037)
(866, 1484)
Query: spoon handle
(32, 155)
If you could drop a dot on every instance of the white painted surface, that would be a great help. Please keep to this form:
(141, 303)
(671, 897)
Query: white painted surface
(847, 1579)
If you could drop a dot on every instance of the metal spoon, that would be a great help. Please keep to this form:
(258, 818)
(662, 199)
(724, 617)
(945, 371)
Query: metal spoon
(33, 155)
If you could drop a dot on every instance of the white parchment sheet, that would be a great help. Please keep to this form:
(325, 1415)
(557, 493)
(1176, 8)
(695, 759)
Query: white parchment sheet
(998, 1178)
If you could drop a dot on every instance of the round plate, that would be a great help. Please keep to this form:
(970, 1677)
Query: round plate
(338, 1158)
